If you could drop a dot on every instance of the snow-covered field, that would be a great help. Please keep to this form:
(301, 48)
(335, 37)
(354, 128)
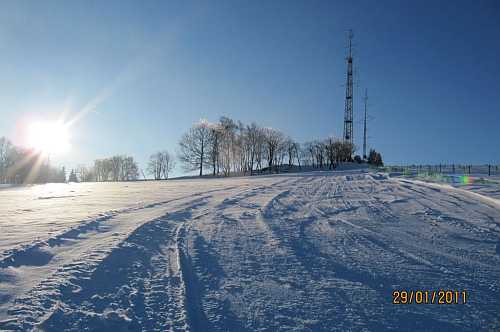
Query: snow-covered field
(316, 251)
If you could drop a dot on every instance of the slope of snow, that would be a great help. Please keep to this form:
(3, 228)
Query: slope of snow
(478, 183)
(293, 252)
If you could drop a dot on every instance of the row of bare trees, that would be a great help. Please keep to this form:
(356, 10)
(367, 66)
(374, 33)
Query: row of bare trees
(160, 165)
(124, 168)
(228, 146)
(326, 153)
(116, 168)
(18, 166)
(221, 148)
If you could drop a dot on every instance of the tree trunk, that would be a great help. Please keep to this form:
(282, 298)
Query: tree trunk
(201, 158)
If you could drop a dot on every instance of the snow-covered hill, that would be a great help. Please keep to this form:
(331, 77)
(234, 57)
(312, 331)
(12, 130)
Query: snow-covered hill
(316, 251)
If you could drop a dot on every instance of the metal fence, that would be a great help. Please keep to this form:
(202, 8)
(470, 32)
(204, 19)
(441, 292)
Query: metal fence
(460, 169)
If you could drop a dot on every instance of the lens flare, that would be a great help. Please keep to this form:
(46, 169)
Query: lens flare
(48, 137)
(464, 179)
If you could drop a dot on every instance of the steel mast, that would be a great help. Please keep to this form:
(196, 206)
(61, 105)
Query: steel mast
(348, 116)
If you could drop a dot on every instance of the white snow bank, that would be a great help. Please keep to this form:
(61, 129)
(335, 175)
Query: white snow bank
(316, 251)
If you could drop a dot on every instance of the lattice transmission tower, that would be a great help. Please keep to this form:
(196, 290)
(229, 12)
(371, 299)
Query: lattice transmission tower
(348, 117)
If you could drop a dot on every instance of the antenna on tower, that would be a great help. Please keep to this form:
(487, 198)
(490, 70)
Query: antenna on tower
(364, 127)
(348, 112)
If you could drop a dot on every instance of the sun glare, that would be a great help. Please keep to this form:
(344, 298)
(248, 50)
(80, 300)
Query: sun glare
(48, 137)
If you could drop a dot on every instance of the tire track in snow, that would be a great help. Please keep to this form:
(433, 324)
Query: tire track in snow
(218, 241)
(21, 256)
(30, 265)
(403, 243)
(64, 276)
(309, 244)
(77, 292)
(440, 258)
(316, 254)
(467, 218)
(290, 231)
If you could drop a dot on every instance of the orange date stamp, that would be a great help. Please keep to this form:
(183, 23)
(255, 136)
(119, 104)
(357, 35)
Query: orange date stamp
(440, 296)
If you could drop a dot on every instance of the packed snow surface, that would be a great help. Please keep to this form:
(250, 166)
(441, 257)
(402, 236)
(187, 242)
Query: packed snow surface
(318, 251)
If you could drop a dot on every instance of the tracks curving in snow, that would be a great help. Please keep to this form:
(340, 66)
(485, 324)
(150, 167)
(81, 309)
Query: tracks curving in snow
(299, 252)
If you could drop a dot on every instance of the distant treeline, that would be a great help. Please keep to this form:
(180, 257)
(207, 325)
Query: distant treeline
(18, 166)
(229, 146)
(116, 168)
(25, 166)
(222, 148)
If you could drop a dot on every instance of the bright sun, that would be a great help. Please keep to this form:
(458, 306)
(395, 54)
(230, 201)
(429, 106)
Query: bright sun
(48, 137)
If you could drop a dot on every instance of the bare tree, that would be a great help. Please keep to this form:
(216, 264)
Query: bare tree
(160, 165)
(292, 150)
(102, 169)
(215, 145)
(304, 155)
(231, 147)
(169, 164)
(129, 169)
(310, 151)
(240, 149)
(260, 151)
(281, 153)
(338, 151)
(116, 168)
(155, 165)
(253, 145)
(21, 166)
(347, 150)
(227, 144)
(297, 150)
(330, 151)
(194, 147)
(273, 141)
(85, 174)
(319, 153)
(5, 158)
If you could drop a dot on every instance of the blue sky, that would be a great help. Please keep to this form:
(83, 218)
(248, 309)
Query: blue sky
(152, 68)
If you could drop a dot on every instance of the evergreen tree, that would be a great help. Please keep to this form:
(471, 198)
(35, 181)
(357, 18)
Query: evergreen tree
(375, 158)
(62, 175)
(72, 176)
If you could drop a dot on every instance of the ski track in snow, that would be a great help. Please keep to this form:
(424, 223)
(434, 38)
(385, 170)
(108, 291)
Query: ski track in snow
(293, 252)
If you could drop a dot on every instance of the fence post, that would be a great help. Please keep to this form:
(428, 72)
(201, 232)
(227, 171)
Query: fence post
(453, 166)
(439, 168)
(469, 169)
(489, 170)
